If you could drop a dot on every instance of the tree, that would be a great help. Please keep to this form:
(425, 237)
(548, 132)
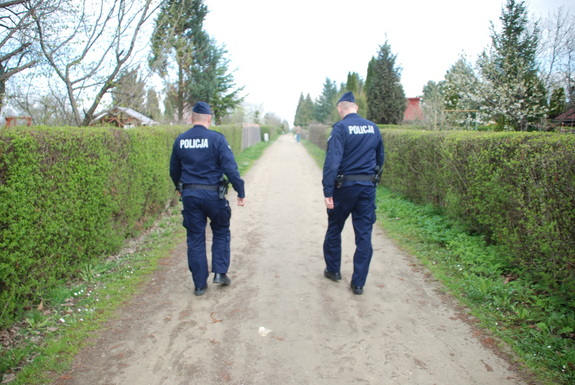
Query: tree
(557, 104)
(201, 66)
(557, 53)
(385, 96)
(17, 36)
(355, 84)
(511, 91)
(152, 109)
(88, 48)
(210, 81)
(50, 109)
(130, 91)
(304, 114)
(178, 26)
(325, 111)
(460, 98)
(433, 104)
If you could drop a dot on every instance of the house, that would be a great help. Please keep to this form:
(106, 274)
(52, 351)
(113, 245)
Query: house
(123, 117)
(566, 119)
(413, 111)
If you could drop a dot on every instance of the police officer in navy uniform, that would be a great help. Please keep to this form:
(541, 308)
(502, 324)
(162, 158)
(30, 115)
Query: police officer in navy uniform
(200, 158)
(351, 170)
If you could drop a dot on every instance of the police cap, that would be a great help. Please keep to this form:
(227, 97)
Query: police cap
(202, 108)
(347, 97)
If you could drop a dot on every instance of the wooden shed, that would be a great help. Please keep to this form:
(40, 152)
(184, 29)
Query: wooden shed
(566, 119)
(123, 117)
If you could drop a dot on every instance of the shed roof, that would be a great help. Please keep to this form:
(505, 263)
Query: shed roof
(144, 120)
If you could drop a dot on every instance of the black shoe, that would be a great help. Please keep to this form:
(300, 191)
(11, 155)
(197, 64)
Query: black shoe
(222, 279)
(201, 291)
(332, 276)
(357, 290)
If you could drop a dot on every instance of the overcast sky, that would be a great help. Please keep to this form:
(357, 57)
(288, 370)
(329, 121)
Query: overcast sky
(280, 49)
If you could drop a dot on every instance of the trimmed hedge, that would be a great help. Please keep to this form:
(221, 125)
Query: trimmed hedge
(69, 196)
(516, 188)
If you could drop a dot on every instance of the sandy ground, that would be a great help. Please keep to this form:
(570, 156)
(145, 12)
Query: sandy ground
(281, 321)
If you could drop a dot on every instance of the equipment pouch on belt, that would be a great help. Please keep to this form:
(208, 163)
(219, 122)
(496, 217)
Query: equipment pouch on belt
(339, 181)
(223, 188)
(377, 176)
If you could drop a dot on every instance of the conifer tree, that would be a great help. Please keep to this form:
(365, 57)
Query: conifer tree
(325, 111)
(385, 96)
(201, 68)
(304, 115)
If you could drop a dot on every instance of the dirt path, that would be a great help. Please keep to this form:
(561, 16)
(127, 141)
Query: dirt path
(281, 321)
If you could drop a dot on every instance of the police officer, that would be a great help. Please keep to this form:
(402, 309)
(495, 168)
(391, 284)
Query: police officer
(200, 158)
(354, 156)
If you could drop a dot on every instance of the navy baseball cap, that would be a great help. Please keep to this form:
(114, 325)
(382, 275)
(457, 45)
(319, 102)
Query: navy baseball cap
(202, 108)
(347, 97)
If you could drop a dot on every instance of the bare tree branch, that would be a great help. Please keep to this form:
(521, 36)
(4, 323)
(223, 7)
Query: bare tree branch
(89, 49)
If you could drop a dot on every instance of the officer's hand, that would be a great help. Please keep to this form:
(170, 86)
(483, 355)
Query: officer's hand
(241, 201)
(329, 202)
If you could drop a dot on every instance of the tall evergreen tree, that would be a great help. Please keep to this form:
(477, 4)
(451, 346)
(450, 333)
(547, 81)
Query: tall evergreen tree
(209, 79)
(511, 90)
(202, 70)
(385, 96)
(304, 114)
(325, 111)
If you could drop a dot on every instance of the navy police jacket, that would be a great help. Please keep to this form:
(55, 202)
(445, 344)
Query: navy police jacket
(355, 147)
(202, 156)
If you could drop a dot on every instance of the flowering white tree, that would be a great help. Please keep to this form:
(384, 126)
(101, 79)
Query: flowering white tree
(461, 101)
(510, 91)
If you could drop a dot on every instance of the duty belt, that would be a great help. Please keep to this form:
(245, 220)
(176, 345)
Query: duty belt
(201, 187)
(358, 177)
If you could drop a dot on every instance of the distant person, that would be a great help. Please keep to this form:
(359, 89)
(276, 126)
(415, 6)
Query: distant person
(200, 159)
(353, 161)
(298, 134)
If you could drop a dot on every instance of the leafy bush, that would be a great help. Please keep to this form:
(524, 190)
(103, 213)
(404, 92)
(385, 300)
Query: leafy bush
(69, 196)
(516, 188)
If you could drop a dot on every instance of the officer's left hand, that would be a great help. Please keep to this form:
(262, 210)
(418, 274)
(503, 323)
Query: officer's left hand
(241, 201)
(329, 203)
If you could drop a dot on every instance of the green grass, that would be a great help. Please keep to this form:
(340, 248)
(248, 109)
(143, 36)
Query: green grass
(539, 328)
(51, 334)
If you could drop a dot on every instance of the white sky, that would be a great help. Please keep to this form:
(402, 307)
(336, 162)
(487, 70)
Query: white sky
(281, 49)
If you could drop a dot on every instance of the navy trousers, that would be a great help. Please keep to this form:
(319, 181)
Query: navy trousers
(359, 201)
(196, 213)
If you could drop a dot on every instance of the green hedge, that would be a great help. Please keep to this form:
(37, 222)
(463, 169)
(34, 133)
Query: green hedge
(272, 131)
(69, 196)
(516, 188)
